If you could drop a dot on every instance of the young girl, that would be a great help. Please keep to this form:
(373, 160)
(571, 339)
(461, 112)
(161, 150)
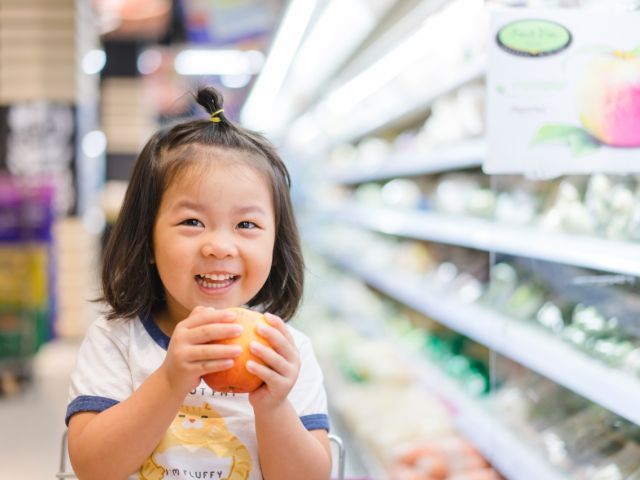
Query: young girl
(206, 224)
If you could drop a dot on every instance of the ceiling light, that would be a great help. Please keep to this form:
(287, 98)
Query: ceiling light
(262, 97)
(339, 30)
(218, 62)
(235, 81)
(94, 61)
(149, 61)
(94, 144)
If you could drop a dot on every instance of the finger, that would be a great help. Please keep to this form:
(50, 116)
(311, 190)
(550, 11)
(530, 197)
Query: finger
(270, 357)
(205, 315)
(277, 340)
(279, 324)
(211, 366)
(214, 331)
(270, 377)
(213, 352)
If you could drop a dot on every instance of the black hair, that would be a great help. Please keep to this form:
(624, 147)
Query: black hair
(131, 285)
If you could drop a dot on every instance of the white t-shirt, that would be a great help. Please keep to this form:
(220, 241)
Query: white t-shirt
(213, 435)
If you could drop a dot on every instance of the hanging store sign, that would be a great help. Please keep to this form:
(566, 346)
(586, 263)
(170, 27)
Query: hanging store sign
(37, 141)
(563, 92)
(225, 22)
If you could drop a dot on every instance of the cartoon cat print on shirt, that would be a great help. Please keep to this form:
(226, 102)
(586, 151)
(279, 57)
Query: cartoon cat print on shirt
(198, 429)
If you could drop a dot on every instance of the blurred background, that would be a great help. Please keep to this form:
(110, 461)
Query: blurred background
(471, 325)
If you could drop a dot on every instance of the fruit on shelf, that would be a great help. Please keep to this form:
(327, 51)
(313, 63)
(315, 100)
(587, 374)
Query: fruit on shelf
(238, 379)
(448, 457)
(609, 98)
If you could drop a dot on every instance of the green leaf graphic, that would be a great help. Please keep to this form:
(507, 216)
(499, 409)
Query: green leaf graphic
(636, 51)
(577, 139)
(582, 143)
(555, 133)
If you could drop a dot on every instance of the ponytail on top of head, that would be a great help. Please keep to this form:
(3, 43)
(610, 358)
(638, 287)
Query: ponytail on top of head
(211, 100)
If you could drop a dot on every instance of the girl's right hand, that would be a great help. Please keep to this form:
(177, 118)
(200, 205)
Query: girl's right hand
(191, 354)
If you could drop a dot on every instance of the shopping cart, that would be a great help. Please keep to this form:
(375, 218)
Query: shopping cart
(64, 473)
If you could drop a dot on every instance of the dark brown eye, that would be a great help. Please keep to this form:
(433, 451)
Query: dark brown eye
(247, 224)
(191, 222)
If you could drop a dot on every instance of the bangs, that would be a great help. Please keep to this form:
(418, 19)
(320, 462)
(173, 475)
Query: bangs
(196, 160)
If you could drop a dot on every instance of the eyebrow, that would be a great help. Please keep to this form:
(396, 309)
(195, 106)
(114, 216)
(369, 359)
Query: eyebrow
(190, 204)
(251, 209)
(187, 204)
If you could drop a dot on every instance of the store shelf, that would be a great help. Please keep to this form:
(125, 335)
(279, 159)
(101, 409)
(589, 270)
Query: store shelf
(482, 234)
(18, 366)
(467, 154)
(412, 107)
(506, 452)
(472, 418)
(532, 347)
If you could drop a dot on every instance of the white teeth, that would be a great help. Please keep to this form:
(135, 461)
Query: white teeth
(217, 277)
(215, 280)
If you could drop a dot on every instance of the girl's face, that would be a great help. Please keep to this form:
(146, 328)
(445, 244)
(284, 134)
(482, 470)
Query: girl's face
(213, 237)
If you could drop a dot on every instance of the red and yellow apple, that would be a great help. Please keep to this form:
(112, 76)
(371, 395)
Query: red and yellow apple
(609, 98)
(238, 379)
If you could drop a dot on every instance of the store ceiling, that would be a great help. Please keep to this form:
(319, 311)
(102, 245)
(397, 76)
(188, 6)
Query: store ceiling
(211, 23)
(164, 28)
(155, 32)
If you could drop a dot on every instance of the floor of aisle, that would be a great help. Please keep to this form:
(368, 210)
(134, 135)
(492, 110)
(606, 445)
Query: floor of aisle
(354, 466)
(32, 422)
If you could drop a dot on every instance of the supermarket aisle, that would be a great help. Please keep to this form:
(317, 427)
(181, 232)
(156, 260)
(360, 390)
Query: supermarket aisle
(33, 421)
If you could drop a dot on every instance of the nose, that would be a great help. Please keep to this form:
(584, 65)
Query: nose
(219, 244)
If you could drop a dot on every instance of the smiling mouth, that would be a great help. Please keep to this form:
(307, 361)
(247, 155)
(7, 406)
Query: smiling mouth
(216, 280)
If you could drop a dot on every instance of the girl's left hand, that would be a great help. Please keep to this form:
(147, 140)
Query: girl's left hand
(282, 364)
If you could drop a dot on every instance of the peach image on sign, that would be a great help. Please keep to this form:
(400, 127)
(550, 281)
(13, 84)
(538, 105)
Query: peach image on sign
(609, 98)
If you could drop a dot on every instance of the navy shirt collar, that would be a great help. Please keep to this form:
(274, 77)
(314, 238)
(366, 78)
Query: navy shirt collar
(154, 331)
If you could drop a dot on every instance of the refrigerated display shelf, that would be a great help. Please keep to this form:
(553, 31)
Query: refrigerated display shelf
(466, 154)
(487, 235)
(471, 417)
(497, 443)
(411, 108)
(532, 347)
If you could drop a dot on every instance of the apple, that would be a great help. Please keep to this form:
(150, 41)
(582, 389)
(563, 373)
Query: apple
(609, 98)
(238, 379)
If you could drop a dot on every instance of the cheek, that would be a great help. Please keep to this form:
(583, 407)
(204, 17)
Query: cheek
(266, 268)
(171, 261)
(166, 272)
(262, 259)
